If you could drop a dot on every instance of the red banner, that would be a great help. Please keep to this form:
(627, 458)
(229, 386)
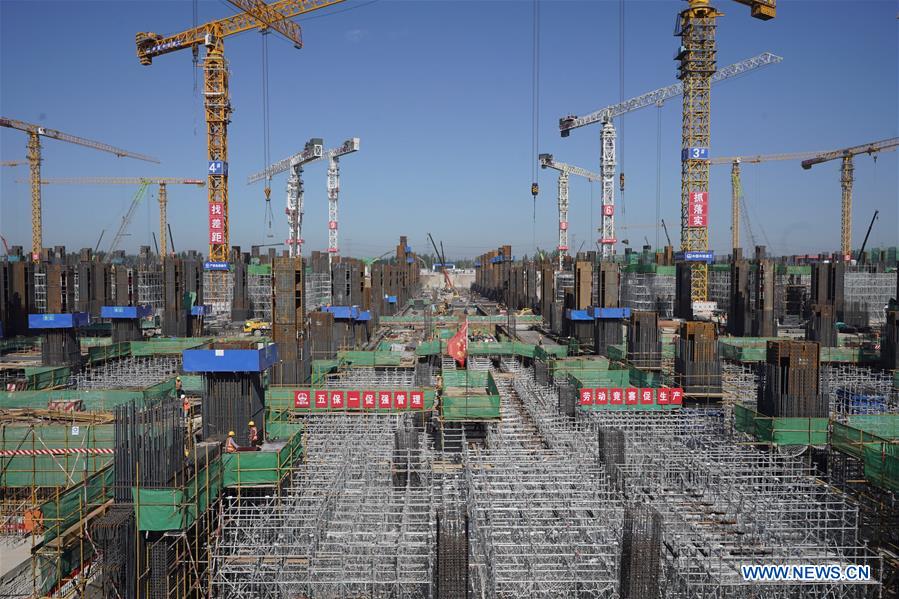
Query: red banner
(385, 399)
(602, 396)
(368, 400)
(664, 396)
(631, 396)
(698, 209)
(321, 400)
(216, 222)
(417, 400)
(400, 400)
(586, 397)
(646, 396)
(301, 399)
(616, 396)
(352, 399)
(337, 400)
(677, 396)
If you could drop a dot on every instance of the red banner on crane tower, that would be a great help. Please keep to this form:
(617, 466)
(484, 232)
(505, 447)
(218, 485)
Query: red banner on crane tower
(698, 209)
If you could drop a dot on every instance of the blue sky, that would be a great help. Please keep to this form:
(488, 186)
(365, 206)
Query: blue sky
(440, 94)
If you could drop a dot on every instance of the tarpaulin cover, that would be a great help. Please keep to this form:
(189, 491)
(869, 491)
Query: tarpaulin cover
(370, 358)
(471, 407)
(47, 377)
(781, 430)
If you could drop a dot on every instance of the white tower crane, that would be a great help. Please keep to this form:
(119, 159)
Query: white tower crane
(608, 136)
(546, 161)
(312, 152)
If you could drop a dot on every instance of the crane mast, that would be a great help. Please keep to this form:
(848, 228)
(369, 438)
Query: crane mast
(33, 149)
(217, 103)
(846, 179)
(547, 161)
(697, 55)
(312, 152)
(162, 196)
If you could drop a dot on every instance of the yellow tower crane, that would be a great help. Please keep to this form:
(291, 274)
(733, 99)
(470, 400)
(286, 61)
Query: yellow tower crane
(35, 132)
(846, 179)
(697, 55)
(162, 196)
(255, 15)
(737, 188)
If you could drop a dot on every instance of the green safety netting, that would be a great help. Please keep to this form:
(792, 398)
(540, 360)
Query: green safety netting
(592, 379)
(754, 349)
(47, 377)
(470, 407)
(176, 508)
(94, 400)
(59, 470)
(167, 345)
(370, 358)
(75, 503)
(781, 430)
(871, 438)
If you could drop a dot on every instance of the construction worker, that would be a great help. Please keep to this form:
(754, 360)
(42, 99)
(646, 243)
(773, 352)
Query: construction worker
(231, 444)
(179, 388)
(253, 434)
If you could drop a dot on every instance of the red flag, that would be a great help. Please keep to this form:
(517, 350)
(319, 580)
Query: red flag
(458, 345)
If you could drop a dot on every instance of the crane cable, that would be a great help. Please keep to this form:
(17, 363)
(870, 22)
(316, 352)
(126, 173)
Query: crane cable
(620, 132)
(535, 120)
(266, 135)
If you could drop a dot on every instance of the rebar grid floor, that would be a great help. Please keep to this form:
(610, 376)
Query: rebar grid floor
(356, 521)
(128, 373)
(854, 390)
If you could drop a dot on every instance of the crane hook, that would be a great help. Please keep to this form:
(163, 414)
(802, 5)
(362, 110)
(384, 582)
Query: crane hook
(535, 189)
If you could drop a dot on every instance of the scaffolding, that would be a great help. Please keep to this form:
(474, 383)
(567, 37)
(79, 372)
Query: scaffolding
(150, 288)
(318, 289)
(259, 294)
(127, 373)
(40, 292)
(648, 292)
(723, 504)
(855, 390)
(867, 294)
(719, 287)
(218, 292)
(356, 521)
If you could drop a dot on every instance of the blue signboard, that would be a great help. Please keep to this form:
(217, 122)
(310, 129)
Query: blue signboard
(694, 154)
(695, 256)
(216, 266)
(218, 167)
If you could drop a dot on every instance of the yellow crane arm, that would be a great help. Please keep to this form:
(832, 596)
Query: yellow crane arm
(81, 141)
(121, 181)
(884, 145)
(761, 9)
(256, 15)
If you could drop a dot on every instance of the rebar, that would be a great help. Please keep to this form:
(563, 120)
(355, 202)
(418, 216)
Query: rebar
(127, 373)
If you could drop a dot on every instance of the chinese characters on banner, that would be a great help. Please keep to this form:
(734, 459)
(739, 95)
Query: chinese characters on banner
(698, 209)
(216, 222)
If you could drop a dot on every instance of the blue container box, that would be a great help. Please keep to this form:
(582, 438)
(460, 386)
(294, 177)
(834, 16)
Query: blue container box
(345, 312)
(611, 313)
(131, 312)
(229, 360)
(58, 321)
(578, 314)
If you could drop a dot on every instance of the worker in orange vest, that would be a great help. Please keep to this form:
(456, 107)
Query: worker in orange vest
(231, 444)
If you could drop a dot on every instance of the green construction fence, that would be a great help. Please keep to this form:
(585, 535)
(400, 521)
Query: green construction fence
(57, 470)
(265, 468)
(874, 439)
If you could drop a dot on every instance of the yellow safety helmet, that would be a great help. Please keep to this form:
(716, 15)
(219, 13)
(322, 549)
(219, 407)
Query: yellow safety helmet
(177, 378)
(230, 433)
(251, 423)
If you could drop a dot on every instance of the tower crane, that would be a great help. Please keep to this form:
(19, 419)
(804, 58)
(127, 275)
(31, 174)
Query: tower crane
(846, 179)
(736, 195)
(255, 15)
(546, 161)
(162, 196)
(608, 136)
(12, 163)
(35, 132)
(697, 55)
(312, 152)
